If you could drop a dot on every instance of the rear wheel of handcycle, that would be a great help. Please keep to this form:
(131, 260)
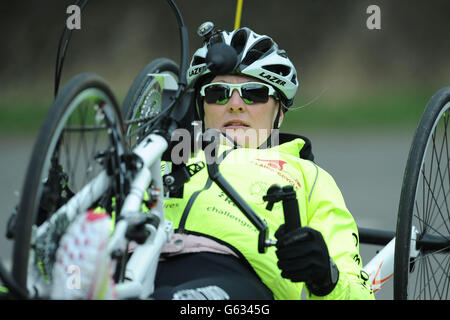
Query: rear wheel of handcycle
(422, 248)
(82, 126)
(144, 98)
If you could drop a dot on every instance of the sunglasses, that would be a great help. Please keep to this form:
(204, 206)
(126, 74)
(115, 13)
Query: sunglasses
(250, 92)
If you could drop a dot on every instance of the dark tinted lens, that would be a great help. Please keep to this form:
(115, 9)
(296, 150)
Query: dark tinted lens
(253, 92)
(216, 94)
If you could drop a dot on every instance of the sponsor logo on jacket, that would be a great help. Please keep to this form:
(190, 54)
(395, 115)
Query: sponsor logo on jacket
(277, 166)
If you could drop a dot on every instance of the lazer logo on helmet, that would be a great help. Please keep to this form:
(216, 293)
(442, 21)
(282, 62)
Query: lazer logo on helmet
(197, 70)
(272, 78)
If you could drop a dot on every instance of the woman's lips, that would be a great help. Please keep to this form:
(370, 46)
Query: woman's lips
(236, 124)
(235, 127)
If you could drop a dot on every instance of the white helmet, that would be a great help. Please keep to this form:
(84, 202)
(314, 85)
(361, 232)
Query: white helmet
(258, 56)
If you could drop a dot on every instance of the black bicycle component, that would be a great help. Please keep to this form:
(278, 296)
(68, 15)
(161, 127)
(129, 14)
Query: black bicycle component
(137, 226)
(375, 236)
(11, 225)
(61, 56)
(56, 191)
(45, 246)
(132, 162)
(104, 158)
(138, 233)
(184, 38)
(14, 289)
(429, 243)
(288, 197)
(182, 173)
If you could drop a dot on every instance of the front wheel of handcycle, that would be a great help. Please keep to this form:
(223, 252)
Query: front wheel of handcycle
(422, 259)
(82, 131)
(144, 100)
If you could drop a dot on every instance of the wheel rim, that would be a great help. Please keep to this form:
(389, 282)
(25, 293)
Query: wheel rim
(430, 266)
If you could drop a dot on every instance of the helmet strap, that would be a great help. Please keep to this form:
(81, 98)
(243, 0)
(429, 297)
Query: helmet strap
(276, 123)
(268, 142)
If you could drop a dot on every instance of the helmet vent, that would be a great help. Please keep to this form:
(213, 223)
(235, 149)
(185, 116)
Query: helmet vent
(257, 50)
(278, 69)
(263, 45)
(294, 79)
(198, 60)
(239, 40)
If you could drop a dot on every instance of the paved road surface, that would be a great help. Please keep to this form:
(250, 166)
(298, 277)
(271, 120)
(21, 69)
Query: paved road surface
(367, 165)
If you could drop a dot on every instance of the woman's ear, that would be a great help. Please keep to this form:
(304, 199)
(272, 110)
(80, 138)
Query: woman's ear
(280, 120)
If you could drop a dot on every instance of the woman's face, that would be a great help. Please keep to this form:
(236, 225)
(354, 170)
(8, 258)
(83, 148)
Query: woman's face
(248, 124)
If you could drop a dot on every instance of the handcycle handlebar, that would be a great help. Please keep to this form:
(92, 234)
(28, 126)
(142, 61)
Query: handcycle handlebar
(290, 205)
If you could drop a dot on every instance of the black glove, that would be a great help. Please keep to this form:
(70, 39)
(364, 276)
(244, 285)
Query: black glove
(303, 257)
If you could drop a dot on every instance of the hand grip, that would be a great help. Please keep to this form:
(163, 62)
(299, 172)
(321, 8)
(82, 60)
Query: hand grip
(290, 209)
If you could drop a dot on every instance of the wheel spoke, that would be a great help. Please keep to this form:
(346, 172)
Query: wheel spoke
(437, 205)
(441, 178)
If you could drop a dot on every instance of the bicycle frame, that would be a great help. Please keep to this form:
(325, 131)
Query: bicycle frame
(381, 267)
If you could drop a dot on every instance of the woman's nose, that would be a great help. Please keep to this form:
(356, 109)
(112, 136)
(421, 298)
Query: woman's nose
(236, 103)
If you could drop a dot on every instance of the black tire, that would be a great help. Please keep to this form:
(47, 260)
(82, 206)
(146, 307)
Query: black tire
(144, 98)
(85, 106)
(424, 204)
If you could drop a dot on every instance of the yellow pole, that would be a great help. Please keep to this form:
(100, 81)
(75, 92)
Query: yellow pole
(237, 20)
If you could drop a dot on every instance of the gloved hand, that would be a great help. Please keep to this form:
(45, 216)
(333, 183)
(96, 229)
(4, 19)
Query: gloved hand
(303, 257)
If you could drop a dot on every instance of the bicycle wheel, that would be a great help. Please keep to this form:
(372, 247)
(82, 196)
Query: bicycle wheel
(422, 260)
(144, 98)
(83, 120)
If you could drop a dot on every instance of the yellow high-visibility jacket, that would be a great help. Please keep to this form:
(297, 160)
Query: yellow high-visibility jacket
(205, 210)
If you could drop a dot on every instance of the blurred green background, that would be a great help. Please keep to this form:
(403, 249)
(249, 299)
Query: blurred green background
(351, 77)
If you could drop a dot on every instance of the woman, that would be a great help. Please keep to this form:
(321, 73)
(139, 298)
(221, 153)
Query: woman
(213, 253)
(214, 243)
